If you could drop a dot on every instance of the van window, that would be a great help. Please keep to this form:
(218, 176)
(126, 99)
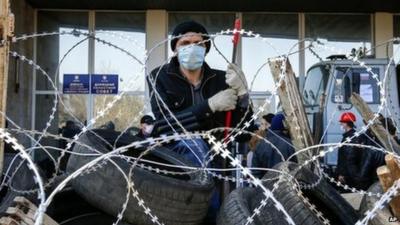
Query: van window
(358, 80)
(314, 86)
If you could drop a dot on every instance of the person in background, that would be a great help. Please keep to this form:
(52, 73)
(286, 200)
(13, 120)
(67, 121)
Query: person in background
(370, 159)
(347, 120)
(68, 131)
(391, 128)
(264, 126)
(146, 127)
(108, 126)
(280, 148)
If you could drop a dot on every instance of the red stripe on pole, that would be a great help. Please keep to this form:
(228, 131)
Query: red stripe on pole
(235, 41)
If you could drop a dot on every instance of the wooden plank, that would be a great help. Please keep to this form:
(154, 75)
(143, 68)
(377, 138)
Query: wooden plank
(293, 108)
(393, 166)
(379, 131)
(6, 32)
(8, 221)
(386, 180)
(394, 169)
(30, 214)
(385, 177)
(28, 207)
(18, 213)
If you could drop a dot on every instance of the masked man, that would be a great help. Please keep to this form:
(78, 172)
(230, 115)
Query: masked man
(197, 95)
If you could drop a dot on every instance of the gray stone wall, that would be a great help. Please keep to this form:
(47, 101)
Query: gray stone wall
(19, 99)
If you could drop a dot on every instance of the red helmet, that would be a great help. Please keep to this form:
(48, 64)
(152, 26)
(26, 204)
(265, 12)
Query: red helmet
(347, 117)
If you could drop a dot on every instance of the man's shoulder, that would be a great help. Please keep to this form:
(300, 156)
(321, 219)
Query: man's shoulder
(262, 147)
(160, 71)
(219, 73)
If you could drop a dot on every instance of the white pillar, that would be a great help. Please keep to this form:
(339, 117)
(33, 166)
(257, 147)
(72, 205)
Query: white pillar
(156, 32)
(383, 31)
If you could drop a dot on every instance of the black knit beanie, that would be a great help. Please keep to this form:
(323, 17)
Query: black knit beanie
(190, 26)
(268, 117)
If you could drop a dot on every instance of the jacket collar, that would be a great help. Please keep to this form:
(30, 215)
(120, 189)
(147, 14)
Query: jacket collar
(349, 133)
(173, 69)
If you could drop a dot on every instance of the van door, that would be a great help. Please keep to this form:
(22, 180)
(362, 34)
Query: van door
(313, 92)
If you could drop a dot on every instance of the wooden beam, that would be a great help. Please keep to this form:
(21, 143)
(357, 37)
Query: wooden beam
(6, 32)
(387, 175)
(293, 108)
(23, 213)
(8, 221)
(30, 214)
(379, 131)
(394, 169)
(393, 166)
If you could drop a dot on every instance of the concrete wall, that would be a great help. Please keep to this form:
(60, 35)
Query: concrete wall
(19, 101)
(383, 24)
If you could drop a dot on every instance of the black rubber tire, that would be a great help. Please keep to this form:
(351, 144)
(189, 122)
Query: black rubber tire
(174, 200)
(326, 199)
(382, 215)
(68, 208)
(22, 180)
(236, 207)
(67, 204)
(94, 218)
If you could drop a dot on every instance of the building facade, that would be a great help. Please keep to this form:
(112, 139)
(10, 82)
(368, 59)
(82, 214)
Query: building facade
(141, 27)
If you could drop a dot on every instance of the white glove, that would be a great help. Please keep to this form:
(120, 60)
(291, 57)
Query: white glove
(236, 79)
(223, 101)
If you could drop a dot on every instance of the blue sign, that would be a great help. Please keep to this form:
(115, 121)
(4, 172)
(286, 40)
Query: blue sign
(104, 84)
(76, 84)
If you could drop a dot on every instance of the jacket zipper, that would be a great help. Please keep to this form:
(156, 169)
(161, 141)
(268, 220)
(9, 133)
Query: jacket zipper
(191, 86)
(203, 84)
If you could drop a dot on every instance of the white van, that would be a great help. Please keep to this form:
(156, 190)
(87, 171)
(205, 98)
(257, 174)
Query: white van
(335, 80)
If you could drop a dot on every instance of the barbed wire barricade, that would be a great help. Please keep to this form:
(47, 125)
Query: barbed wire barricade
(48, 188)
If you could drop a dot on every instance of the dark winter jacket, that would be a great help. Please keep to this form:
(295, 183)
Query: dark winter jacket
(266, 156)
(140, 135)
(178, 95)
(343, 166)
(365, 161)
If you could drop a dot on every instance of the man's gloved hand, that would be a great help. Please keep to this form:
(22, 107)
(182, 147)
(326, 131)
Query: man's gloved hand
(223, 101)
(236, 79)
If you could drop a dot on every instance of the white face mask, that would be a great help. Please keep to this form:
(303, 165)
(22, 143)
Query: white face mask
(342, 128)
(148, 129)
(191, 57)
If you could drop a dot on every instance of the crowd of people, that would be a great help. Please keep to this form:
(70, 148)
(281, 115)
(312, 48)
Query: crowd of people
(271, 144)
(356, 166)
